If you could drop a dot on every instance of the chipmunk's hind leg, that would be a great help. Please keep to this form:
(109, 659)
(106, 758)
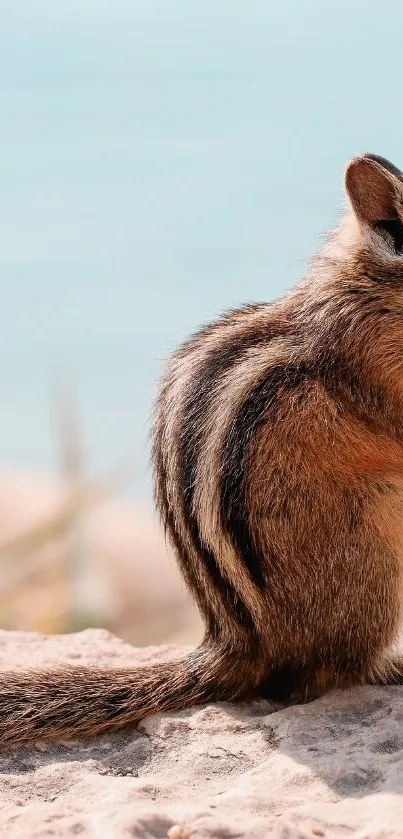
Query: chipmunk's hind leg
(281, 683)
(293, 682)
(387, 671)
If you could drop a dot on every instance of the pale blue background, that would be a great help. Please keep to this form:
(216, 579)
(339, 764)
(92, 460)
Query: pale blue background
(162, 160)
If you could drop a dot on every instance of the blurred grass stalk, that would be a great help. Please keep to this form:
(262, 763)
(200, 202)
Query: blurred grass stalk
(66, 525)
(72, 472)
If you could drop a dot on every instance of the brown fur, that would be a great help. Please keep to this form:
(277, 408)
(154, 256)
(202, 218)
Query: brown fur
(278, 460)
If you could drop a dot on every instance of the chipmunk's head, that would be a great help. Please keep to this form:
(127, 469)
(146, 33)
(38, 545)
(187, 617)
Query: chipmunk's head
(375, 189)
(374, 253)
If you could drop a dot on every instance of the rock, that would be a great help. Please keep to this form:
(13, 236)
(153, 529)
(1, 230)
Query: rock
(331, 768)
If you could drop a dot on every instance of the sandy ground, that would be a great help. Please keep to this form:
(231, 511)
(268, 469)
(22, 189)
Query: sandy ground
(331, 768)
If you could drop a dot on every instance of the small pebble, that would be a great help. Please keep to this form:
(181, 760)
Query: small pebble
(178, 831)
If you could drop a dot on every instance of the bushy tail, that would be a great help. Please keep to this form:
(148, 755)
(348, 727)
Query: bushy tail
(74, 701)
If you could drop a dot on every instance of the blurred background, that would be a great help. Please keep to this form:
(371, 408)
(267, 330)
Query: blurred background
(160, 162)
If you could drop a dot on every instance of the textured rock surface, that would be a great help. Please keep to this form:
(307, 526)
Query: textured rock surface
(330, 768)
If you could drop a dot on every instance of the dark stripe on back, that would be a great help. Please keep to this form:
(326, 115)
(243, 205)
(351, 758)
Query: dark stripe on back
(218, 363)
(342, 383)
(251, 415)
(226, 592)
(229, 318)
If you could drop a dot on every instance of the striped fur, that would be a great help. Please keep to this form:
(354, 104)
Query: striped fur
(278, 463)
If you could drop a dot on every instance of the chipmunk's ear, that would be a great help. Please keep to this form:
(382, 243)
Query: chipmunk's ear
(375, 189)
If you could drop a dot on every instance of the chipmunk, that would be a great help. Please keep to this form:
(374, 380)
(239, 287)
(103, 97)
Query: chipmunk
(278, 463)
